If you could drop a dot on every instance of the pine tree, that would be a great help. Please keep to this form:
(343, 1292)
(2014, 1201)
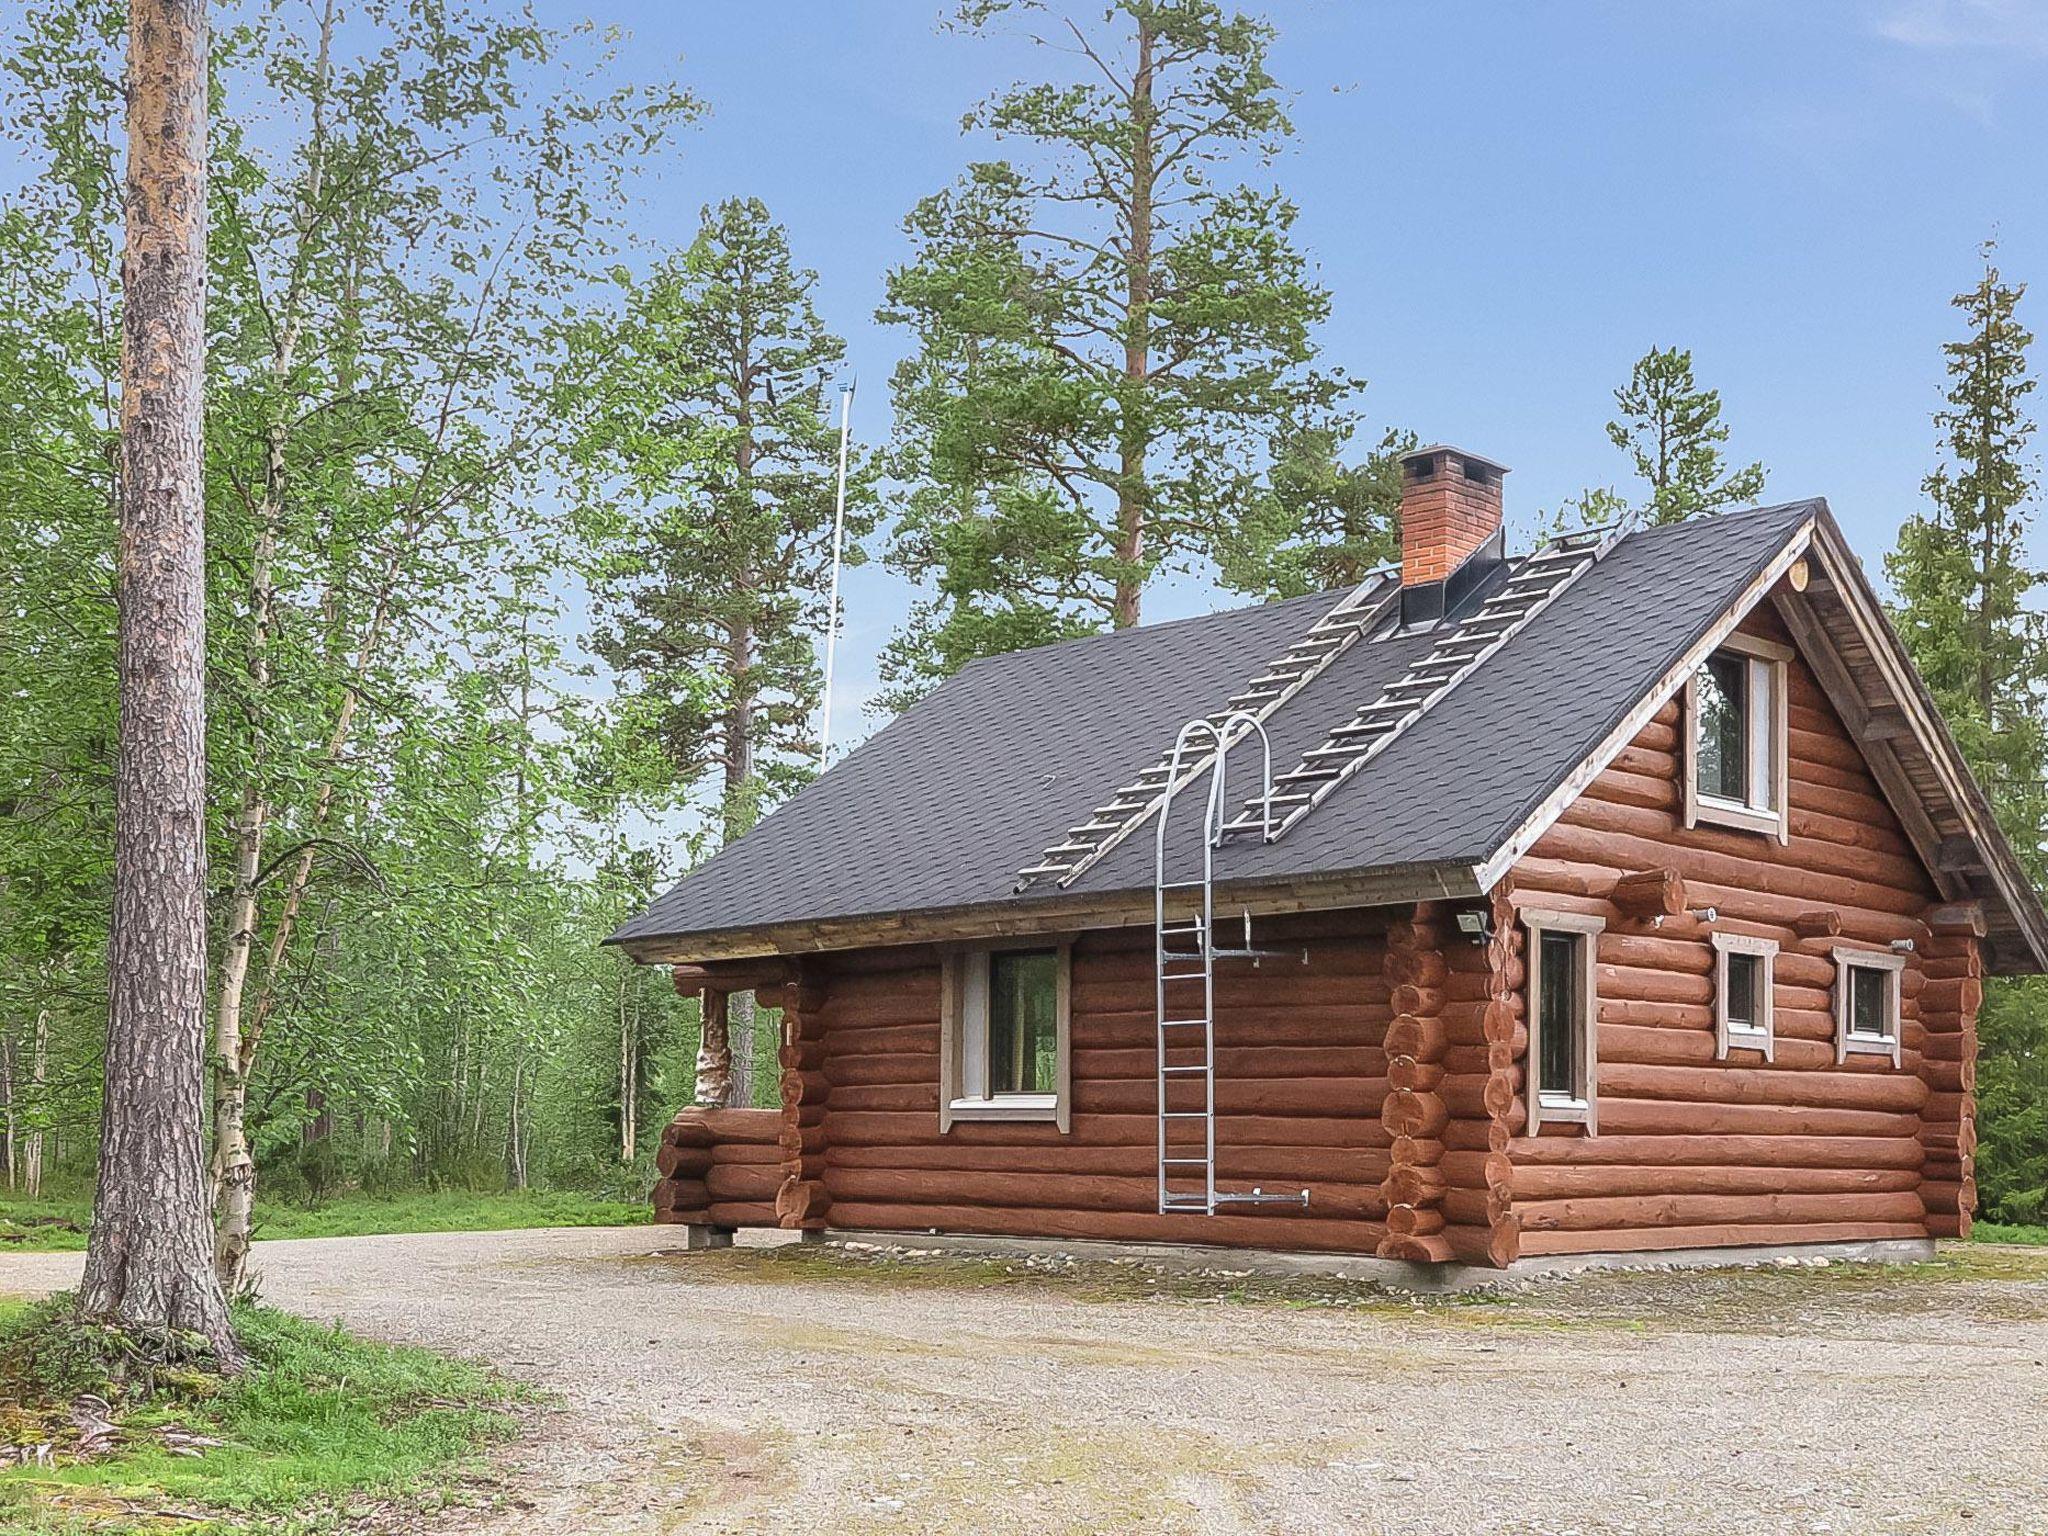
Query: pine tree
(1115, 342)
(1672, 432)
(150, 1262)
(708, 432)
(1962, 577)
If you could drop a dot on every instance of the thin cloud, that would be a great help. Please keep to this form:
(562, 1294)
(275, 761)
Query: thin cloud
(2004, 25)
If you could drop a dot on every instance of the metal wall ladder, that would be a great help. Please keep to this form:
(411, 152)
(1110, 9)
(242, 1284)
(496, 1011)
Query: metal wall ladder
(1185, 953)
(1535, 584)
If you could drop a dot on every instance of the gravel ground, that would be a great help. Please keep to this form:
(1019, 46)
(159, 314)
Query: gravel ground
(811, 1389)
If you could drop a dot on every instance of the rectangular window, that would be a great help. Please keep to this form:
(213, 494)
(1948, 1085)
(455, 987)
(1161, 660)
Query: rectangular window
(1735, 758)
(1004, 1036)
(1742, 993)
(1563, 1011)
(1867, 1003)
(1724, 727)
(1023, 1032)
(1562, 1061)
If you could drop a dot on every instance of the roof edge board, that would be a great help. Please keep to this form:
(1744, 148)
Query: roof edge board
(1269, 896)
(1930, 731)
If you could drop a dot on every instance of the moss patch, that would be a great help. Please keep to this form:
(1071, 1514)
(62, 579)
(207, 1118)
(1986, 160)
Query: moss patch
(321, 1429)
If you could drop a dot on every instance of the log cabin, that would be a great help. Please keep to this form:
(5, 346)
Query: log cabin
(1625, 897)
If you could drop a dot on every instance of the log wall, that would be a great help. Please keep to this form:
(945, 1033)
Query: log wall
(1694, 1151)
(1302, 1081)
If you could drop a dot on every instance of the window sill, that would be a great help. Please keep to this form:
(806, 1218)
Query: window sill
(1749, 1039)
(1746, 818)
(1555, 1107)
(1870, 1045)
(1020, 1106)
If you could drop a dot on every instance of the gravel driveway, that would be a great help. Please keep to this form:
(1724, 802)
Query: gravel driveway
(800, 1390)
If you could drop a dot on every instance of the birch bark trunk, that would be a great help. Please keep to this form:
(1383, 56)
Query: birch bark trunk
(150, 1259)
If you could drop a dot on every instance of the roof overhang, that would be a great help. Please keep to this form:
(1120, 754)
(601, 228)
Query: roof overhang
(1858, 659)
(1060, 914)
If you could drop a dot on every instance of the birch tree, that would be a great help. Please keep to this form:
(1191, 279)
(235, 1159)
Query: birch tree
(148, 1264)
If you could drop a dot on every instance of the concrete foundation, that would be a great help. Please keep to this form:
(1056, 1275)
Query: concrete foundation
(1392, 1273)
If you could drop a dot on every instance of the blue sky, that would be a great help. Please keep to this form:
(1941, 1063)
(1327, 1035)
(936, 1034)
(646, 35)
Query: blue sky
(1510, 201)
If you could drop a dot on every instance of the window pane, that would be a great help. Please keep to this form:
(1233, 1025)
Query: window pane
(1869, 996)
(1023, 1029)
(1722, 751)
(1763, 786)
(1745, 993)
(1561, 1063)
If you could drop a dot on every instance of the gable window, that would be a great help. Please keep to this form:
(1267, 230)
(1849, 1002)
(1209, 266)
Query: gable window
(1735, 747)
(1742, 993)
(1564, 1009)
(1004, 1035)
(1867, 1003)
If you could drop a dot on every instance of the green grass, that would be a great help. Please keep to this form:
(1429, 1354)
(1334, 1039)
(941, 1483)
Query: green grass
(1999, 1232)
(321, 1430)
(58, 1221)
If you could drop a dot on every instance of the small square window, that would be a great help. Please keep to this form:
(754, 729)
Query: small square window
(1742, 990)
(1003, 1041)
(1867, 1003)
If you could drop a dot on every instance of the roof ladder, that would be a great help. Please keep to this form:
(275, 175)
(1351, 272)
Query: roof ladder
(1354, 616)
(1184, 960)
(1536, 583)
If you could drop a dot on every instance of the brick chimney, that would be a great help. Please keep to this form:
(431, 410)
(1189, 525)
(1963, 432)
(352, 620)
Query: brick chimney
(1450, 507)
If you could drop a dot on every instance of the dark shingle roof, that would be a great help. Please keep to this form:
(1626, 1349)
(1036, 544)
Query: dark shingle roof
(943, 806)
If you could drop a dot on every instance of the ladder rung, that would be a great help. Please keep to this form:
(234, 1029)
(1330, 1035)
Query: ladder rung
(1179, 1070)
(1184, 1114)
(1180, 1023)
(1185, 1162)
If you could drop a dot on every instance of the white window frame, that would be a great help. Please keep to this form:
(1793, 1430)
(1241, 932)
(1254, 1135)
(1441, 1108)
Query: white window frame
(1850, 1042)
(1765, 744)
(1554, 1108)
(963, 1039)
(1728, 1035)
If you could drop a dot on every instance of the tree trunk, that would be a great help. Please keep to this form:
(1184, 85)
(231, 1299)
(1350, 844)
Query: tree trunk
(149, 1263)
(1136, 429)
(714, 1053)
(740, 1033)
(629, 1065)
(7, 1104)
(39, 1075)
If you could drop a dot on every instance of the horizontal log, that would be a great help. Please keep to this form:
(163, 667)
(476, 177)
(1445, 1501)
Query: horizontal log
(1568, 1181)
(1721, 1235)
(1257, 1164)
(1137, 1195)
(1679, 1117)
(743, 1213)
(847, 1127)
(1274, 1226)
(1790, 1151)
(1889, 1091)
(1627, 1213)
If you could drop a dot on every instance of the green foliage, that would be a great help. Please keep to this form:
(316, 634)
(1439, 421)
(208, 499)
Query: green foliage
(1963, 579)
(2033, 1236)
(402, 754)
(317, 1419)
(1114, 366)
(57, 1223)
(704, 425)
(1672, 432)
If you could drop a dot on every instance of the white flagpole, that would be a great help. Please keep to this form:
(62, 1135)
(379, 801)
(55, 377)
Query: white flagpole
(838, 547)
